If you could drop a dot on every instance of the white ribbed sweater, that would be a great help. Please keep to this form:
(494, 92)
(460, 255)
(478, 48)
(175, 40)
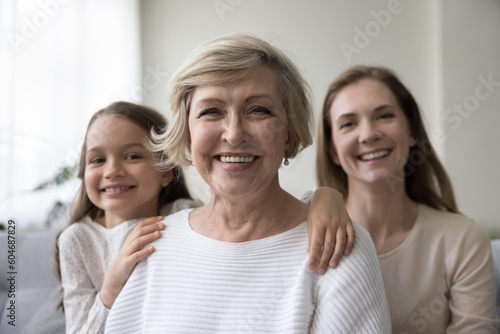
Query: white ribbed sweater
(195, 284)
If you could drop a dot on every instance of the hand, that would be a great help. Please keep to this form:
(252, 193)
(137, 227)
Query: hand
(132, 251)
(331, 233)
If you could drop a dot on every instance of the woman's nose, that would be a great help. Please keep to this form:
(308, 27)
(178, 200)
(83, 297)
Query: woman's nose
(369, 132)
(235, 131)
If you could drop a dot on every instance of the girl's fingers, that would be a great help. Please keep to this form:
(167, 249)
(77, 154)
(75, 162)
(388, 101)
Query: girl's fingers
(140, 243)
(139, 255)
(147, 222)
(339, 248)
(351, 237)
(150, 229)
(315, 245)
(146, 226)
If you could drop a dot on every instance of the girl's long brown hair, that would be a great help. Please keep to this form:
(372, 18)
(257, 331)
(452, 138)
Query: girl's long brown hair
(152, 122)
(426, 180)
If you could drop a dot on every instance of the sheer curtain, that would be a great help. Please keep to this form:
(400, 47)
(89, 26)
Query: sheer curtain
(60, 61)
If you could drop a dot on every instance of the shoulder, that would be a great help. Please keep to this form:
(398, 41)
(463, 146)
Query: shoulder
(178, 205)
(363, 258)
(449, 225)
(356, 289)
(363, 245)
(177, 222)
(74, 238)
(76, 231)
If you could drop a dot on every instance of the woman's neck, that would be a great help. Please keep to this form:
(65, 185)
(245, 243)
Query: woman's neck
(388, 214)
(256, 217)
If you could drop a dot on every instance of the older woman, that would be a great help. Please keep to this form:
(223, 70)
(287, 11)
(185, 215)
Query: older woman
(240, 108)
(436, 263)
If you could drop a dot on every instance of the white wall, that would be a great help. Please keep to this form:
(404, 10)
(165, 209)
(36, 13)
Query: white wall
(471, 54)
(408, 36)
(61, 61)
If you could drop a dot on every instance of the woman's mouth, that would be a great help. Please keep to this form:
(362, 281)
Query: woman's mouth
(374, 155)
(236, 159)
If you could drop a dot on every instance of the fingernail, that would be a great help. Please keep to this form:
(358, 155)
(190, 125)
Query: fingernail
(321, 270)
(333, 264)
(311, 266)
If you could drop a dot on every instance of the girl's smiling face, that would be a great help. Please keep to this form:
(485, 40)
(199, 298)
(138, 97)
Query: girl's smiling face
(119, 174)
(370, 132)
(239, 133)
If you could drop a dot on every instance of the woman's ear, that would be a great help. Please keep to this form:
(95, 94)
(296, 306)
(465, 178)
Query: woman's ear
(291, 139)
(166, 178)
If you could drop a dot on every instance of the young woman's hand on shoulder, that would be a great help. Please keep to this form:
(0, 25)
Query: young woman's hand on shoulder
(331, 233)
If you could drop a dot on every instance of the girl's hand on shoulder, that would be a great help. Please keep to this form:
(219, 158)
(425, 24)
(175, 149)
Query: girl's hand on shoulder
(134, 249)
(331, 233)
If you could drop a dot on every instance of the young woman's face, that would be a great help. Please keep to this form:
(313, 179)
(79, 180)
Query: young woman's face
(370, 132)
(239, 133)
(119, 175)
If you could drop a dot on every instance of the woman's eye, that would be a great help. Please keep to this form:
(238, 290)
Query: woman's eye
(133, 157)
(346, 125)
(209, 112)
(386, 115)
(260, 110)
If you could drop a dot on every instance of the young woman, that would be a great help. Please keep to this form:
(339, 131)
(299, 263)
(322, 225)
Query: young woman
(436, 263)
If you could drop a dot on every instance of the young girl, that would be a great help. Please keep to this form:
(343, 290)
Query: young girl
(120, 186)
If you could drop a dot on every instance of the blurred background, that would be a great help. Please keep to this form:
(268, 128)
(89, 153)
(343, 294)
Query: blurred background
(61, 61)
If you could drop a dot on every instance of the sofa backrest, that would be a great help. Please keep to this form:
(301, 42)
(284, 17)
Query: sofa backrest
(495, 250)
(28, 279)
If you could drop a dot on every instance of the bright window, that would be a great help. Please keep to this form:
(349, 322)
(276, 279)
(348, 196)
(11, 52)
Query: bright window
(60, 61)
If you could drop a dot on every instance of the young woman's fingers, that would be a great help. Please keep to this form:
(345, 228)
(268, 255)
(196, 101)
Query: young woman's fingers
(351, 237)
(309, 233)
(326, 253)
(339, 248)
(315, 246)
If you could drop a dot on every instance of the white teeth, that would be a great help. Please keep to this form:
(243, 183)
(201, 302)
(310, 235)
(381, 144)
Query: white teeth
(375, 155)
(114, 190)
(236, 159)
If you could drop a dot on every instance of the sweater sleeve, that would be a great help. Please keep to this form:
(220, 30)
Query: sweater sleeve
(351, 299)
(472, 299)
(85, 313)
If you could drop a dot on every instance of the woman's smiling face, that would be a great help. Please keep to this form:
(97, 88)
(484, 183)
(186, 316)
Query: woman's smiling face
(239, 133)
(370, 132)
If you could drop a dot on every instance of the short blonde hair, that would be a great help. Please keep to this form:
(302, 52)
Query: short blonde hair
(227, 59)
